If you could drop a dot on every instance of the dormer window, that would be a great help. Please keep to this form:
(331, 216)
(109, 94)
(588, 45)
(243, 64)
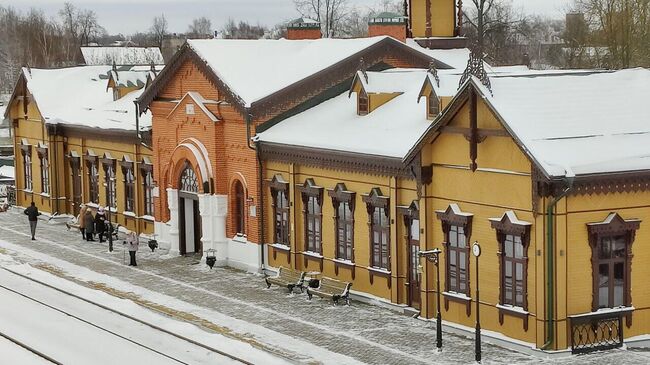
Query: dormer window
(433, 106)
(363, 103)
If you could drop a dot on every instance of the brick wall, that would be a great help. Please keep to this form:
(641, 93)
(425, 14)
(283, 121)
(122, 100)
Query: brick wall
(303, 33)
(397, 31)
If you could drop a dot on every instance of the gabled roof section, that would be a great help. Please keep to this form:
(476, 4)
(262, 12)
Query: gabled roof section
(568, 124)
(199, 101)
(377, 83)
(129, 79)
(253, 74)
(77, 96)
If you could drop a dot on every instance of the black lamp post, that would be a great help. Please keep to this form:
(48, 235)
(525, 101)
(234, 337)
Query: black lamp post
(476, 250)
(111, 178)
(434, 256)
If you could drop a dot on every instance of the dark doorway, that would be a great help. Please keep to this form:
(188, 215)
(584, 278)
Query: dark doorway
(414, 262)
(190, 218)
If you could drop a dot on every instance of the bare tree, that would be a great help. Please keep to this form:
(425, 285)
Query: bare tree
(623, 26)
(159, 29)
(200, 27)
(329, 13)
(243, 30)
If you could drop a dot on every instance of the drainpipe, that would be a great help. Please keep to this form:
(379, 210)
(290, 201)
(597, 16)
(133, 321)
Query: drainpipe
(137, 119)
(260, 188)
(550, 255)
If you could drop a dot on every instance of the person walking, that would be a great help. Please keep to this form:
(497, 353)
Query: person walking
(82, 221)
(100, 224)
(32, 214)
(89, 224)
(133, 243)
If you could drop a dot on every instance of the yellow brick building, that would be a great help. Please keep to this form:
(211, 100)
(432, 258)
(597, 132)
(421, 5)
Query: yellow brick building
(77, 142)
(555, 197)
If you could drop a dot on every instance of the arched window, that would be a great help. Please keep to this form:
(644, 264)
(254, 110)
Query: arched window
(189, 181)
(240, 206)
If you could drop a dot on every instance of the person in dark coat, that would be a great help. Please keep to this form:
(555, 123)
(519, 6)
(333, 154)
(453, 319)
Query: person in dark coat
(89, 225)
(32, 214)
(100, 224)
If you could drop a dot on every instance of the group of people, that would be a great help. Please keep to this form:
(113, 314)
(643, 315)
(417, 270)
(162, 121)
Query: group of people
(90, 225)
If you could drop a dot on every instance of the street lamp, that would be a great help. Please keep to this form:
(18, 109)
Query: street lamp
(111, 179)
(434, 256)
(476, 250)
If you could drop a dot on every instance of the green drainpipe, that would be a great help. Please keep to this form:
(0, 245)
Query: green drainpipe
(550, 255)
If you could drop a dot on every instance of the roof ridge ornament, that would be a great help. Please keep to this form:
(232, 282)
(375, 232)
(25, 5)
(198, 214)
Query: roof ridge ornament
(434, 72)
(476, 68)
(363, 69)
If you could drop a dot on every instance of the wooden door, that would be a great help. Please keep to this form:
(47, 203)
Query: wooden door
(414, 262)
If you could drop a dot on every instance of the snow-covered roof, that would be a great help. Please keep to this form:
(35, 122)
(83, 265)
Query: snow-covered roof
(456, 58)
(390, 130)
(131, 78)
(78, 96)
(94, 56)
(578, 124)
(255, 69)
(7, 172)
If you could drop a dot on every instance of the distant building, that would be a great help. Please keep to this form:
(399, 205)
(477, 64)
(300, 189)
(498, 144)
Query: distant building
(94, 56)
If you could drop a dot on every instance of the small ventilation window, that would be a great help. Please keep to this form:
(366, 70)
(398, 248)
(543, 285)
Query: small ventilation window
(363, 103)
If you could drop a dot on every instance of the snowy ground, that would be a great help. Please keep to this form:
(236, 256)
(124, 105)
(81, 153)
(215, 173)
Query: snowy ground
(36, 313)
(237, 306)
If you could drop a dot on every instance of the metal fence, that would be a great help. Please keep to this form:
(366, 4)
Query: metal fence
(596, 332)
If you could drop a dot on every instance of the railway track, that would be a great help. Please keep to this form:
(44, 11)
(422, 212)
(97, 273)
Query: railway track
(29, 348)
(155, 327)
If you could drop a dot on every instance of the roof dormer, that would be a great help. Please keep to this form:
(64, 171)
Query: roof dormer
(371, 91)
(122, 82)
(428, 91)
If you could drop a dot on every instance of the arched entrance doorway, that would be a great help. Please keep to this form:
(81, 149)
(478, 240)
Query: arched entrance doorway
(190, 218)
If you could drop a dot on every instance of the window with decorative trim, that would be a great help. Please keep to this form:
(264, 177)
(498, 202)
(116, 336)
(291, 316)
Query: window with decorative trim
(129, 185)
(280, 203)
(109, 164)
(433, 105)
(93, 178)
(611, 245)
(457, 230)
(45, 170)
(312, 201)
(378, 207)
(26, 151)
(148, 186)
(513, 236)
(363, 103)
(343, 203)
(239, 208)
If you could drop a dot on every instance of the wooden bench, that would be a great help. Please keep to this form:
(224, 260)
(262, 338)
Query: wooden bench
(288, 278)
(331, 289)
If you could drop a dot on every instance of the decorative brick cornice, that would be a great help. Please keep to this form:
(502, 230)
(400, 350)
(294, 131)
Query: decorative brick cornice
(337, 160)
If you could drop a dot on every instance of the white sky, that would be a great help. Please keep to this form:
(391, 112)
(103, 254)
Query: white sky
(128, 16)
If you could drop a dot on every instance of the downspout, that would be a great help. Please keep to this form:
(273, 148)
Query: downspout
(137, 119)
(260, 188)
(550, 255)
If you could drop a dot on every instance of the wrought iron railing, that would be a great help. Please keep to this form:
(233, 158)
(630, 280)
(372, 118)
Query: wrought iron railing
(11, 195)
(596, 332)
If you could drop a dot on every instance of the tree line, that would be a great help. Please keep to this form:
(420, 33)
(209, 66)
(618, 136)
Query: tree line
(596, 33)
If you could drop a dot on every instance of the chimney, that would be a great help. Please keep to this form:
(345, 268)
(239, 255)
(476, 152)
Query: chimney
(303, 28)
(390, 24)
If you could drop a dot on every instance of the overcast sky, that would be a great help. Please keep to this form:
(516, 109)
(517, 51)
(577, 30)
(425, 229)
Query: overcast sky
(128, 16)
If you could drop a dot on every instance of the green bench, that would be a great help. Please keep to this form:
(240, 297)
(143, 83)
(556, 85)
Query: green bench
(288, 278)
(331, 289)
